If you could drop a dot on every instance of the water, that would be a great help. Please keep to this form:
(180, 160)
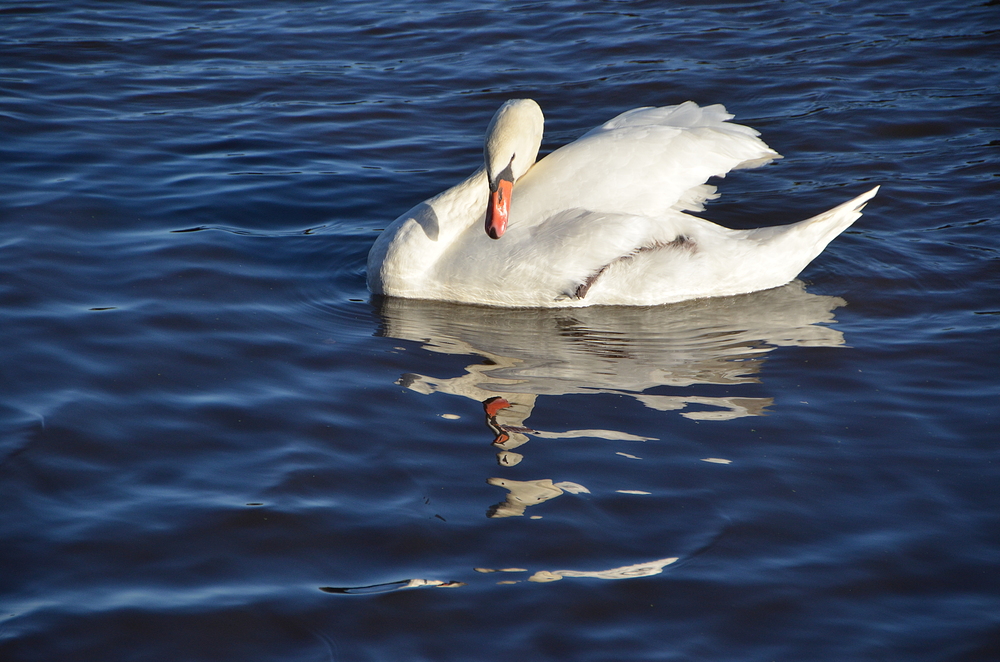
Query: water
(214, 445)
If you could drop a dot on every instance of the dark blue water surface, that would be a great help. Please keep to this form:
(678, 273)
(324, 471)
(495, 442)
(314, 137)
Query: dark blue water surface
(215, 445)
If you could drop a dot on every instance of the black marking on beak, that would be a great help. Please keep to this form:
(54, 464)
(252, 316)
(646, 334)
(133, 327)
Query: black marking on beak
(507, 173)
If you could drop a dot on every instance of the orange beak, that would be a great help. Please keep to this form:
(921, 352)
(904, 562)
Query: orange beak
(498, 209)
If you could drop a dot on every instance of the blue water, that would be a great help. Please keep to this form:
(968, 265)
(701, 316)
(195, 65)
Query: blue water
(216, 445)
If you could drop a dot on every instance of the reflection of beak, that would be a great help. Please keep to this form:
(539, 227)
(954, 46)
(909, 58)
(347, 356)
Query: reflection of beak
(498, 209)
(494, 405)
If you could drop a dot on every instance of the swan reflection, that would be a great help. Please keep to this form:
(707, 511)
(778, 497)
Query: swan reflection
(524, 493)
(647, 569)
(622, 350)
(625, 572)
(506, 420)
(523, 354)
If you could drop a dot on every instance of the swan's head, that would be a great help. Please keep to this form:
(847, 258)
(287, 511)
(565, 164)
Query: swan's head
(512, 142)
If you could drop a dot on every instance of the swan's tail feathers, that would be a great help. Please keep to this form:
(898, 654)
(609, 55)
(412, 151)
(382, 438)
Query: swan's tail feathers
(822, 228)
(851, 208)
(787, 249)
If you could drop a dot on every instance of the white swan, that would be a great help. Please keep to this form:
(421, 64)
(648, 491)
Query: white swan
(598, 221)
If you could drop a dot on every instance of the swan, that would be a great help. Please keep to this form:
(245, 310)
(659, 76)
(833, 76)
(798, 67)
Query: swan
(600, 221)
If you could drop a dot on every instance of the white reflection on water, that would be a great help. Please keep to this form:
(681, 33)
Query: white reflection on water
(624, 572)
(524, 493)
(621, 350)
(647, 569)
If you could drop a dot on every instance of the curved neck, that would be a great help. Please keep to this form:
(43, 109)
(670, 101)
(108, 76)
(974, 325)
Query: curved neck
(411, 246)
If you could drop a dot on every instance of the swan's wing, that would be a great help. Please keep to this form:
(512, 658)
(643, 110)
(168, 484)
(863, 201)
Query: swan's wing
(576, 245)
(643, 162)
(558, 259)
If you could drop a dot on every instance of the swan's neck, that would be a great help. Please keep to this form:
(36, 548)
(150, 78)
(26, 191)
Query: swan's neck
(409, 249)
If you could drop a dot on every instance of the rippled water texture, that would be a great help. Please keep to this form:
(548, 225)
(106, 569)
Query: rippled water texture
(215, 445)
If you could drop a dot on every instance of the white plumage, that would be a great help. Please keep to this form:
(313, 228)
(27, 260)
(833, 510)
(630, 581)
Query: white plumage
(600, 221)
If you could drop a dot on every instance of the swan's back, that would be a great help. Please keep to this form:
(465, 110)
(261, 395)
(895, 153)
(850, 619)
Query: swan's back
(643, 162)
